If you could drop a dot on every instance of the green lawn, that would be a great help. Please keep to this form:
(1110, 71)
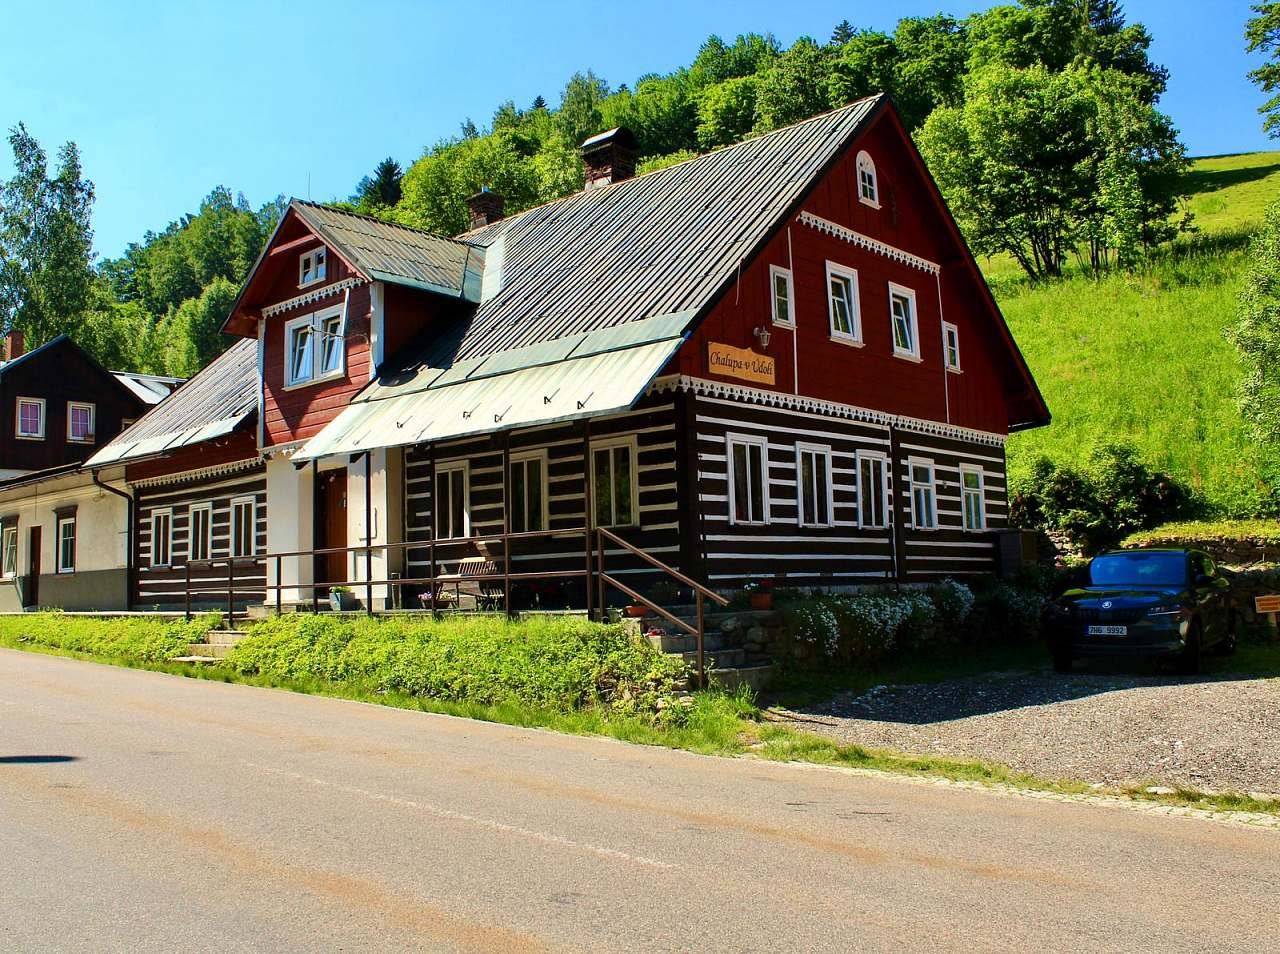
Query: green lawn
(1142, 358)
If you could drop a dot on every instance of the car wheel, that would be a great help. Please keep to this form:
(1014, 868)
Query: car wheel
(1227, 646)
(1061, 661)
(1189, 661)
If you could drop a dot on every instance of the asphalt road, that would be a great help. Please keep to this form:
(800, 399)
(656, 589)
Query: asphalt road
(143, 812)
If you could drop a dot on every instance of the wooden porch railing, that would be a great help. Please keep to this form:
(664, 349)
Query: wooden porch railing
(596, 589)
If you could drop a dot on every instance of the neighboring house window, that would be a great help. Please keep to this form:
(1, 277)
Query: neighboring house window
(868, 187)
(924, 512)
(199, 531)
(31, 418)
(453, 517)
(842, 303)
(902, 308)
(784, 305)
(244, 526)
(951, 346)
(748, 479)
(9, 552)
(312, 266)
(80, 422)
(974, 498)
(161, 537)
(66, 562)
(528, 492)
(813, 471)
(613, 477)
(873, 486)
(315, 347)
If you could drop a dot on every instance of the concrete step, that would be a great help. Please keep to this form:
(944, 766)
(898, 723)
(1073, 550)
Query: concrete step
(225, 637)
(198, 660)
(719, 658)
(757, 677)
(681, 642)
(215, 650)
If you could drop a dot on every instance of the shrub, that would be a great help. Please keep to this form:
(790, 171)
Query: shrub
(953, 602)
(558, 663)
(866, 627)
(1114, 495)
(128, 638)
(1005, 613)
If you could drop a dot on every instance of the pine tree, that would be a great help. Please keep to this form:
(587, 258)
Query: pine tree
(842, 34)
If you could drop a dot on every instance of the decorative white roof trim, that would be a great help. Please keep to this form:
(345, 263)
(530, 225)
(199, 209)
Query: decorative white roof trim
(867, 242)
(201, 473)
(308, 297)
(285, 450)
(739, 392)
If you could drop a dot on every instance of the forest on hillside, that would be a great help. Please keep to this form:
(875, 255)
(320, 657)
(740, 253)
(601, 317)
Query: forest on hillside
(1021, 110)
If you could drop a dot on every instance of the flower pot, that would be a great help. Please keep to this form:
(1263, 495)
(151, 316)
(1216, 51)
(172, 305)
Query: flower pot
(762, 600)
(342, 602)
(636, 611)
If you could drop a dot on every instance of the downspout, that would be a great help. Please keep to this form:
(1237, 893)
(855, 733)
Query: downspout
(129, 556)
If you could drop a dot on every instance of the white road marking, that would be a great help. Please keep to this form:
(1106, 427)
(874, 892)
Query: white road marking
(490, 823)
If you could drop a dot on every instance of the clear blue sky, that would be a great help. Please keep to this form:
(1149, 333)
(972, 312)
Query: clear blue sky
(168, 99)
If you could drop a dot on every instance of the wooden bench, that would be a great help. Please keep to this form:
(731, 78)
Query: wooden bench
(488, 594)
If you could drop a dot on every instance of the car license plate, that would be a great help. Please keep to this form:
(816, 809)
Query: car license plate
(1108, 630)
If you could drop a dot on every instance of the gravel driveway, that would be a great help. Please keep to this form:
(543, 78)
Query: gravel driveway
(1216, 733)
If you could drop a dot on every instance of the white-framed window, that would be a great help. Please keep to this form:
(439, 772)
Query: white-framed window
(200, 531)
(813, 478)
(951, 346)
(9, 551)
(312, 266)
(80, 422)
(244, 526)
(162, 537)
(748, 478)
(924, 503)
(614, 483)
(452, 500)
(873, 490)
(315, 349)
(902, 312)
(66, 562)
(868, 187)
(782, 295)
(29, 424)
(842, 303)
(973, 497)
(528, 489)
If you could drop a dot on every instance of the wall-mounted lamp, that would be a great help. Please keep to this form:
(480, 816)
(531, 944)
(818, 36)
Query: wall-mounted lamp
(762, 335)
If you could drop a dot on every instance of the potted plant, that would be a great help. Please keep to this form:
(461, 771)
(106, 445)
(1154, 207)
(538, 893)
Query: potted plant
(761, 593)
(341, 599)
(636, 610)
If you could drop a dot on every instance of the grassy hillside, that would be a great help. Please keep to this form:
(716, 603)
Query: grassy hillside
(1142, 358)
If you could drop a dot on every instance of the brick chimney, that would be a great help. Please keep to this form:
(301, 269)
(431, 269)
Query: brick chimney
(609, 157)
(14, 345)
(486, 208)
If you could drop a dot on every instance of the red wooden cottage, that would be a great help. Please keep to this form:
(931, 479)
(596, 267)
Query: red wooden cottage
(778, 359)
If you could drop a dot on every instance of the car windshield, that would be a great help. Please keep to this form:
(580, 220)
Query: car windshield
(1139, 569)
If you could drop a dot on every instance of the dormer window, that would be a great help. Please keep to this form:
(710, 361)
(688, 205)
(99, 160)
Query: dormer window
(868, 187)
(315, 348)
(312, 266)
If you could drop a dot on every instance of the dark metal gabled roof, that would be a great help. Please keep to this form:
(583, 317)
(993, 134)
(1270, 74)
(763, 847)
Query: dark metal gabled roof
(395, 253)
(213, 403)
(660, 243)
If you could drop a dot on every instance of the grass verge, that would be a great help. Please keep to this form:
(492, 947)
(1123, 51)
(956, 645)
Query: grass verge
(718, 723)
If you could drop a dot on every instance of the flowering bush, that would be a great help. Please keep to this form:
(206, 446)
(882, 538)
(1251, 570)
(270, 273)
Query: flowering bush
(814, 623)
(953, 601)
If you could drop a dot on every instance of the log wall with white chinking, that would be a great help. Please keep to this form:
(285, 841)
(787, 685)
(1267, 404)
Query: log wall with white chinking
(652, 426)
(165, 586)
(844, 552)
(950, 549)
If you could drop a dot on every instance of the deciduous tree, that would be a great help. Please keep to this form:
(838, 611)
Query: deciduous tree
(1263, 34)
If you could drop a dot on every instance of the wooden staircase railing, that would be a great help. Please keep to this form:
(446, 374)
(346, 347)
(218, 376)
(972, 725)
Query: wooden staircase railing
(700, 592)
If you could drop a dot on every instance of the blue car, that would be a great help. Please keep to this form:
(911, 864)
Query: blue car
(1157, 602)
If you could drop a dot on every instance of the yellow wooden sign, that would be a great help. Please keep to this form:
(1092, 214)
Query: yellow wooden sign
(740, 363)
(1266, 604)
